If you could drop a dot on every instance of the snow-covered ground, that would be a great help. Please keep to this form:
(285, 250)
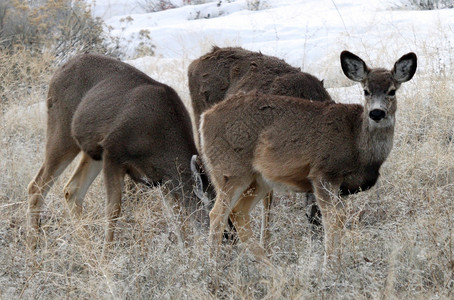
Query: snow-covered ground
(306, 33)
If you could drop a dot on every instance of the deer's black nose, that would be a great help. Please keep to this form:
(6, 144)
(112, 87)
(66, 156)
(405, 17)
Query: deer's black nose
(377, 114)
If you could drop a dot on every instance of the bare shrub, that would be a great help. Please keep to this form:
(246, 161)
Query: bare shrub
(424, 4)
(155, 5)
(145, 46)
(255, 5)
(22, 72)
(60, 26)
(195, 2)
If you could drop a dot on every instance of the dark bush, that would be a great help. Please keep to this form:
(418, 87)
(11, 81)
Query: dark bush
(63, 27)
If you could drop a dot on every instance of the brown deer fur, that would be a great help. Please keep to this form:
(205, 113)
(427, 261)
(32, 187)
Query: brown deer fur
(270, 141)
(224, 72)
(123, 122)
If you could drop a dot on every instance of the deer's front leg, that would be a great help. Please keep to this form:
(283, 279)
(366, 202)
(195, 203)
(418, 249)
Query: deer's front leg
(333, 217)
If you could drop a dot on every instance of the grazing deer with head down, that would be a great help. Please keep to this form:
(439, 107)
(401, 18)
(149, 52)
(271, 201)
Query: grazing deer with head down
(268, 141)
(224, 72)
(123, 122)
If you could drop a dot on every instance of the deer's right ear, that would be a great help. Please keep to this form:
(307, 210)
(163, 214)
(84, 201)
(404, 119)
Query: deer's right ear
(353, 66)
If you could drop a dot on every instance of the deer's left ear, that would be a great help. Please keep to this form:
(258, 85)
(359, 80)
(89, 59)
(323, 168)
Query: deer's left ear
(405, 68)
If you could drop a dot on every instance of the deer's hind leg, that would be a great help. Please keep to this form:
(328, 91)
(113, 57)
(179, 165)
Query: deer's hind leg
(226, 199)
(114, 175)
(241, 218)
(58, 156)
(266, 216)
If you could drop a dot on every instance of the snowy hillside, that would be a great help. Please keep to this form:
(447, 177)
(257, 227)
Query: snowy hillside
(306, 33)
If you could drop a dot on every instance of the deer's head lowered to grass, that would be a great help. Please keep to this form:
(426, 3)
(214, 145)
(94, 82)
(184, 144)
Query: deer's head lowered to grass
(123, 122)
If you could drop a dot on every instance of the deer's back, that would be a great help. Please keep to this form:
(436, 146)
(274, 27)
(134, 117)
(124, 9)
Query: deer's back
(226, 71)
(77, 77)
(145, 118)
(83, 72)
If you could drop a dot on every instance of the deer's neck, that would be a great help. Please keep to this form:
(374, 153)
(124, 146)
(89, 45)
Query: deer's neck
(375, 139)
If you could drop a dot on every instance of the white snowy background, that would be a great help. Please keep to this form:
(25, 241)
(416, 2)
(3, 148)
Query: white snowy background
(306, 33)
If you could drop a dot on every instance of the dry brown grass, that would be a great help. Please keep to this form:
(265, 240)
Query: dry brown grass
(399, 246)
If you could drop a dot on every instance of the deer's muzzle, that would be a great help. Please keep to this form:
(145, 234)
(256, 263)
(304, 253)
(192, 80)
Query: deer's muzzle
(377, 114)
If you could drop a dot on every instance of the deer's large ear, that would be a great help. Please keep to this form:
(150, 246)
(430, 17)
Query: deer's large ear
(405, 68)
(353, 66)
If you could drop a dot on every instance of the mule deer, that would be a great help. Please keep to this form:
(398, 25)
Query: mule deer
(269, 141)
(224, 72)
(123, 122)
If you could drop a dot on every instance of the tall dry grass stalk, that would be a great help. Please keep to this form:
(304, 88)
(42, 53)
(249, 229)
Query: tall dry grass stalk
(398, 244)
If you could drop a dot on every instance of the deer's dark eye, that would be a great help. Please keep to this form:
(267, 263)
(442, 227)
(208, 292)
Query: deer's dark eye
(392, 93)
(366, 93)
